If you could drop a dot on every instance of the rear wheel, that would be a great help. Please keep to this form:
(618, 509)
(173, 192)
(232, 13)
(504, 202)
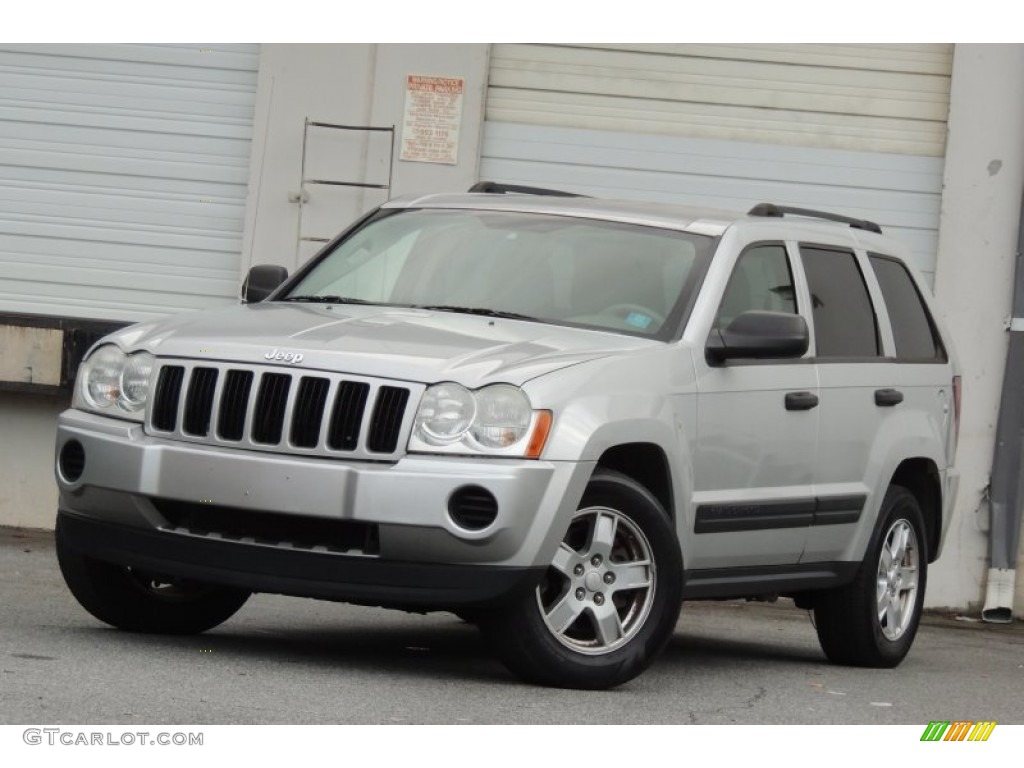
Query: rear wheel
(140, 601)
(872, 621)
(609, 601)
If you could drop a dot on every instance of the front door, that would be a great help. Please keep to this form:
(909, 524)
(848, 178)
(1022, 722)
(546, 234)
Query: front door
(757, 432)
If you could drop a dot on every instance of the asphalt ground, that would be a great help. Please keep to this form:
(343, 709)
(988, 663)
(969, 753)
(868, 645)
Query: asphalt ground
(294, 661)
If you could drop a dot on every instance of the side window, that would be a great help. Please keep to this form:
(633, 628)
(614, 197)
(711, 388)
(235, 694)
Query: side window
(761, 280)
(844, 320)
(912, 326)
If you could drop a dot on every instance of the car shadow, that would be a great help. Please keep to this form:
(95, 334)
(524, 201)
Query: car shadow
(719, 652)
(439, 649)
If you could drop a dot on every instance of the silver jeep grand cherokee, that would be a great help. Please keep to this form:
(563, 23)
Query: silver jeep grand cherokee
(558, 417)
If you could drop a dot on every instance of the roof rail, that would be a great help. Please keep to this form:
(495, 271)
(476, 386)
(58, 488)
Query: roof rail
(778, 211)
(496, 188)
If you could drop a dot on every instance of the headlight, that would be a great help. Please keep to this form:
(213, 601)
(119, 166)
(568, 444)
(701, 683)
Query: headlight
(135, 381)
(496, 420)
(113, 383)
(445, 413)
(502, 416)
(101, 377)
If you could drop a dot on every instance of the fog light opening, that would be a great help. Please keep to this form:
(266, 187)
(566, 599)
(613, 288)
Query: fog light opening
(71, 463)
(472, 508)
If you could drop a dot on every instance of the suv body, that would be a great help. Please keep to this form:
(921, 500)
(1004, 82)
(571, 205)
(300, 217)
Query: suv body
(558, 417)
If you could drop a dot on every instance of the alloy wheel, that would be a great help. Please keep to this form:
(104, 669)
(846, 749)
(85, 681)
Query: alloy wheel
(897, 581)
(600, 587)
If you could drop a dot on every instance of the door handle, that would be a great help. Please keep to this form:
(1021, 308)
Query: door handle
(801, 401)
(887, 398)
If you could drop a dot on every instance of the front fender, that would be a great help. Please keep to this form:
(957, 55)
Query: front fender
(646, 397)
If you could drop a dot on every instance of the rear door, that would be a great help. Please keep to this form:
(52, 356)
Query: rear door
(859, 389)
(894, 408)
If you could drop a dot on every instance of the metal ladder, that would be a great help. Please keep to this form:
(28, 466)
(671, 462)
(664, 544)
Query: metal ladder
(302, 197)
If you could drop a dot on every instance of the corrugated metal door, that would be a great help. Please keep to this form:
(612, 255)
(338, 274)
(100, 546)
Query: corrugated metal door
(123, 173)
(858, 129)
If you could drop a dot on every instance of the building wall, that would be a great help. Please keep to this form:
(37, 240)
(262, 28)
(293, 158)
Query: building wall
(123, 177)
(28, 428)
(981, 207)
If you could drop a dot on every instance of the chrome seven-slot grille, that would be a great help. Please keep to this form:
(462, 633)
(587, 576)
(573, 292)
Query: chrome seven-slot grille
(280, 410)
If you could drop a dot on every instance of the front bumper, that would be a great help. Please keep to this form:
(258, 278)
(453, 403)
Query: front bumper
(369, 581)
(420, 557)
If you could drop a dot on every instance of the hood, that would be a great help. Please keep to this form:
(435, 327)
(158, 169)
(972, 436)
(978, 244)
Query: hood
(387, 342)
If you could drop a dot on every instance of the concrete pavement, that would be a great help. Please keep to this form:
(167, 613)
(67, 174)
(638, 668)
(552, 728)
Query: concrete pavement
(288, 660)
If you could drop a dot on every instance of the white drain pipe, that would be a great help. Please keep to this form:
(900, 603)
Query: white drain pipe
(999, 596)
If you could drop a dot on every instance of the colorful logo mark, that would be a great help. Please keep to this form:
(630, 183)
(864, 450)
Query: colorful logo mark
(958, 730)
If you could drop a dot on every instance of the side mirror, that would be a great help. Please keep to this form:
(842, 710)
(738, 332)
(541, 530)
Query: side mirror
(759, 335)
(261, 281)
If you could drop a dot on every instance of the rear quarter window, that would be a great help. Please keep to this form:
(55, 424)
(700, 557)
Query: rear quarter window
(912, 325)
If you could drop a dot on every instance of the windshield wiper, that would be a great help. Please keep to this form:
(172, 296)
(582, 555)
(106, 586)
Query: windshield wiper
(437, 307)
(476, 311)
(328, 300)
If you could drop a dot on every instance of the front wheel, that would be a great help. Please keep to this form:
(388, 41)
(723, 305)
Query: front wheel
(610, 599)
(139, 601)
(872, 621)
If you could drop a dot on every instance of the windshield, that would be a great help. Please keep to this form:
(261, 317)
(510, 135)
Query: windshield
(553, 269)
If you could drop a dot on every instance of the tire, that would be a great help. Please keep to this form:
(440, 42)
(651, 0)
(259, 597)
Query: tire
(872, 621)
(608, 603)
(138, 601)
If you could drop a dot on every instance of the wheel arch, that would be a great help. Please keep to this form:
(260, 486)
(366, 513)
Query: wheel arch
(648, 465)
(920, 476)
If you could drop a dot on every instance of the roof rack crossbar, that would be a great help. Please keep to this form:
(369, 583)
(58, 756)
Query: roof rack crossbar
(496, 188)
(777, 211)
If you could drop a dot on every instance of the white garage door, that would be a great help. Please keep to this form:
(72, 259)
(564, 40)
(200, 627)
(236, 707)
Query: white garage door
(858, 130)
(123, 172)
